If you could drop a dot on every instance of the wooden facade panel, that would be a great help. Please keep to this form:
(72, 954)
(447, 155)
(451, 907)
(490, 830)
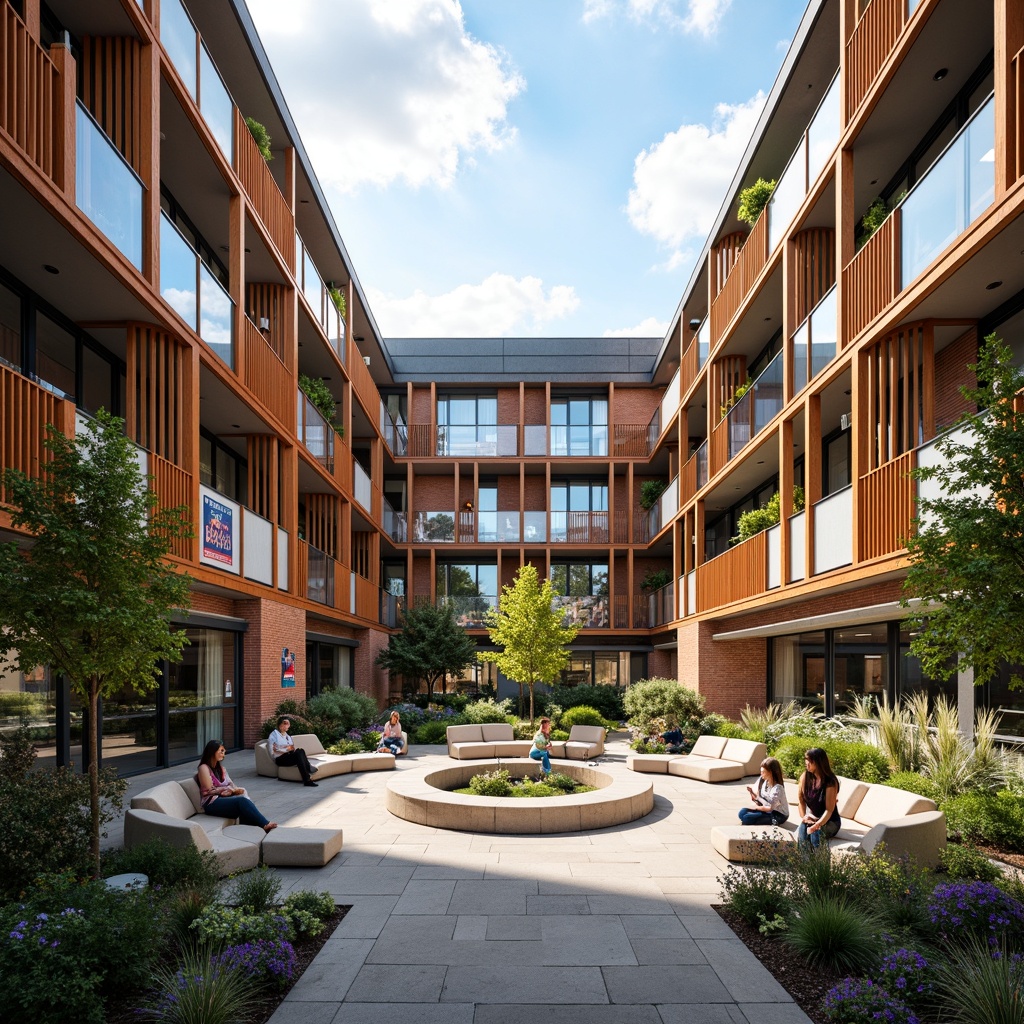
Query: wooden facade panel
(869, 279)
(815, 268)
(323, 523)
(173, 488)
(159, 387)
(367, 599)
(31, 96)
(886, 498)
(873, 39)
(265, 303)
(363, 383)
(748, 265)
(264, 476)
(265, 375)
(735, 575)
(111, 89)
(263, 193)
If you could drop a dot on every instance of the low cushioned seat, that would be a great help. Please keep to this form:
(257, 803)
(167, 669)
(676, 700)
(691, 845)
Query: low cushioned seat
(585, 742)
(497, 739)
(327, 765)
(717, 759)
(746, 843)
(301, 847)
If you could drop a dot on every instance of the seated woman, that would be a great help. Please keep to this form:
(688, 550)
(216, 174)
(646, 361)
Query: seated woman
(769, 803)
(819, 791)
(220, 796)
(391, 739)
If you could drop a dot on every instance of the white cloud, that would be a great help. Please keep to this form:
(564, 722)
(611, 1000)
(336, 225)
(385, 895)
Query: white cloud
(500, 305)
(679, 183)
(701, 17)
(409, 94)
(652, 327)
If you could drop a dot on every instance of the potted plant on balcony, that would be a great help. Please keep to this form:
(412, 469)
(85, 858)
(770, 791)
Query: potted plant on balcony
(758, 519)
(319, 394)
(736, 396)
(261, 137)
(338, 298)
(753, 199)
(655, 579)
(650, 492)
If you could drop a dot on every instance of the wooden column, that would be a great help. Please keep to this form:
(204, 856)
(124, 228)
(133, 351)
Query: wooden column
(785, 438)
(812, 475)
(1009, 38)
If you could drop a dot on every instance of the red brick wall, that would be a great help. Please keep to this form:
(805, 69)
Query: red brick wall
(508, 405)
(508, 494)
(434, 493)
(730, 674)
(368, 677)
(535, 407)
(535, 496)
(213, 604)
(951, 374)
(420, 584)
(420, 411)
(636, 405)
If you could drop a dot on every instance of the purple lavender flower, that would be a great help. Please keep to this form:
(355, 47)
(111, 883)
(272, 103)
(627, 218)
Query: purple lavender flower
(856, 999)
(977, 908)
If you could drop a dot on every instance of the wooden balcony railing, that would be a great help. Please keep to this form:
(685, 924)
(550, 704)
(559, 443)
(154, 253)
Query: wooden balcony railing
(302, 567)
(25, 410)
(739, 573)
(689, 367)
(871, 278)
(688, 480)
(263, 192)
(1016, 98)
(886, 508)
(719, 448)
(173, 487)
(367, 598)
(33, 105)
(630, 440)
(365, 389)
(873, 39)
(265, 374)
(750, 262)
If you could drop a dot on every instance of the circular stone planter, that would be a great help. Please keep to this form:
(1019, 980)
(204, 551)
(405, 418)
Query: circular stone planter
(424, 797)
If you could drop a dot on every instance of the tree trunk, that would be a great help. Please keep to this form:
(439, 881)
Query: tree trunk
(531, 705)
(94, 777)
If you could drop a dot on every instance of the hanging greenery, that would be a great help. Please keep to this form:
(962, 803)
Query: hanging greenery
(261, 136)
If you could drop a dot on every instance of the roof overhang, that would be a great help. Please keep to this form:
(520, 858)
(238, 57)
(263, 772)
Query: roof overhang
(831, 620)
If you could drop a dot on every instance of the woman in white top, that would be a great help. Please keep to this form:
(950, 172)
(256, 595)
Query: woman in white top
(391, 738)
(769, 805)
(285, 753)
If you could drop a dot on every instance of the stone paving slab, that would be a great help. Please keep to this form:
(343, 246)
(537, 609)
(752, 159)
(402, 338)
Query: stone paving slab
(612, 926)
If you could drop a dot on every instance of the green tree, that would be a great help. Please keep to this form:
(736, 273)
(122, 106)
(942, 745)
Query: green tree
(91, 596)
(430, 646)
(967, 546)
(528, 630)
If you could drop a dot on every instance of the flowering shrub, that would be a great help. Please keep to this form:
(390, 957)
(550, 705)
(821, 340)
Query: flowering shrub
(234, 925)
(496, 783)
(265, 960)
(976, 908)
(306, 911)
(906, 974)
(854, 1001)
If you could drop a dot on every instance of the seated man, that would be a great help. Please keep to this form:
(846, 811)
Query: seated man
(674, 740)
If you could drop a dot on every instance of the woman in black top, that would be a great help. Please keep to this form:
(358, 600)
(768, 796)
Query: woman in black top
(819, 791)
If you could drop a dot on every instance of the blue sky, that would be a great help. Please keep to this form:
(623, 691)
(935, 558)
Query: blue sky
(525, 167)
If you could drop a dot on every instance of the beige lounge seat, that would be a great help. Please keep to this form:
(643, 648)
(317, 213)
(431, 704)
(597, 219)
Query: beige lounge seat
(301, 847)
(326, 764)
(497, 739)
(584, 742)
(717, 759)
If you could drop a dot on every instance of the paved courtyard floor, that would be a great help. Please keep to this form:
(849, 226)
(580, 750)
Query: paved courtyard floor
(606, 927)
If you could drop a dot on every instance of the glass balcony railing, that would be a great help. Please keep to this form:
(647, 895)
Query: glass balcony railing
(316, 434)
(701, 455)
(535, 439)
(394, 523)
(498, 527)
(189, 288)
(107, 190)
(579, 441)
(215, 103)
(761, 404)
(586, 611)
(654, 429)
(362, 490)
(818, 335)
(957, 189)
(396, 435)
(535, 527)
(320, 577)
(488, 440)
(470, 610)
(178, 35)
(433, 527)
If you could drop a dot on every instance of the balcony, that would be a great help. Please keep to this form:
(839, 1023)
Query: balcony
(745, 271)
(470, 610)
(315, 433)
(579, 528)
(670, 400)
(873, 39)
(631, 440)
(833, 531)
(585, 612)
(107, 190)
(739, 573)
(761, 403)
(501, 527)
(814, 342)
(265, 373)
(477, 441)
(655, 609)
(886, 497)
(322, 306)
(957, 189)
(262, 190)
(362, 489)
(433, 528)
(395, 523)
(232, 538)
(869, 279)
(319, 577)
(396, 435)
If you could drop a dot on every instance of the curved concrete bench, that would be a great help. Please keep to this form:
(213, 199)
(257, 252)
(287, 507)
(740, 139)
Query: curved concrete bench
(326, 764)
(713, 759)
(496, 739)
(423, 797)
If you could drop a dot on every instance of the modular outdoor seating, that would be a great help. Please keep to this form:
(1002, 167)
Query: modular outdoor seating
(713, 759)
(873, 815)
(172, 812)
(474, 742)
(326, 764)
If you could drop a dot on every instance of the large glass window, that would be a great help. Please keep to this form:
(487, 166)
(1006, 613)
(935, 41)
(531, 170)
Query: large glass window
(10, 328)
(30, 698)
(221, 468)
(470, 589)
(581, 590)
(835, 470)
(861, 664)
(798, 670)
(579, 426)
(467, 424)
(912, 678)
(55, 356)
(129, 741)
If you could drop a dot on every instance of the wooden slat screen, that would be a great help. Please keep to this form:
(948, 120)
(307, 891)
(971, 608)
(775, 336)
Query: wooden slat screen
(301, 584)
(815, 267)
(263, 193)
(688, 480)
(870, 278)
(752, 258)
(886, 508)
(724, 256)
(365, 389)
(367, 599)
(173, 487)
(264, 475)
(361, 553)
(265, 301)
(630, 440)
(872, 41)
(689, 365)
(739, 573)
(159, 382)
(323, 523)
(900, 411)
(1015, 112)
(25, 410)
(718, 450)
(421, 441)
(30, 96)
(265, 375)
(110, 79)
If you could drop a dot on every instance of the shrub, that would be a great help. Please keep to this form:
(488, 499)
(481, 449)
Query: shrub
(644, 746)
(197, 992)
(167, 866)
(649, 699)
(261, 137)
(913, 782)
(371, 739)
(908, 975)
(710, 724)
(977, 984)
(558, 736)
(582, 715)
(434, 732)
(856, 1000)
(346, 746)
(650, 492)
(753, 199)
(232, 926)
(822, 874)
(967, 862)
(833, 934)
(46, 815)
(265, 961)
(257, 891)
(761, 889)
(606, 699)
(897, 890)
(964, 909)
(496, 783)
(316, 905)
(994, 820)
(848, 758)
(482, 712)
(733, 731)
(345, 707)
